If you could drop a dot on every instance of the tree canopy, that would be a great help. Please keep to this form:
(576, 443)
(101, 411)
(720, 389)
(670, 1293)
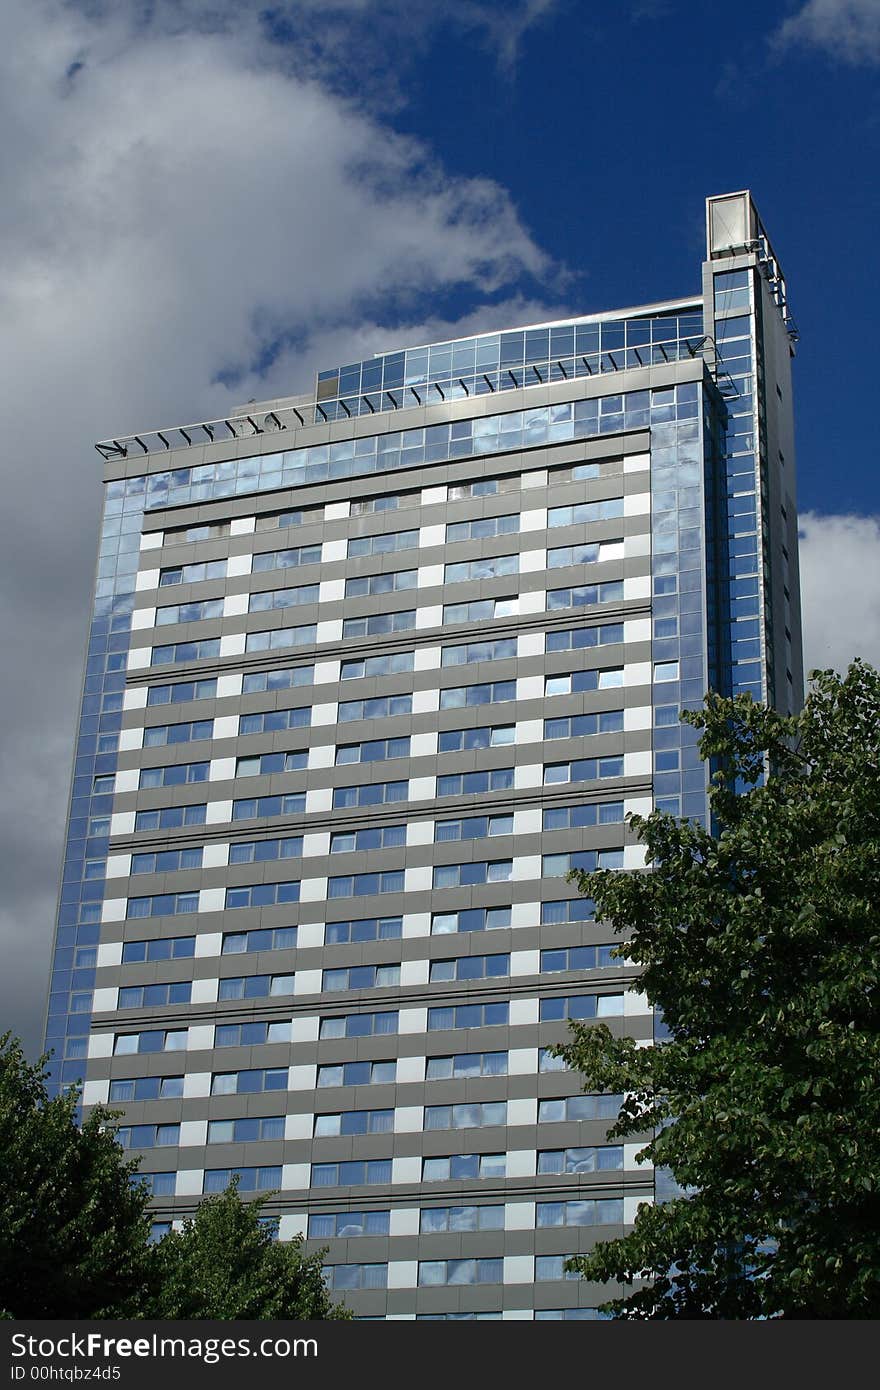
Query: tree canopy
(759, 942)
(75, 1227)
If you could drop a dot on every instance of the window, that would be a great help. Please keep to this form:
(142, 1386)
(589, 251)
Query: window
(251, 1034)
(482, 528)
(484, 1218)
(245, 1131)
(570, 909)
(164, 948)
(271, 599)
(262, 765)
(585, 512)
(466, 1064)
(486, 736)
(499, 650)
(381, 837)
(355, 1173)
(189, 612)
(581, 1006)
(154, 1040)
(365, 885)
(256, 986)
(469, 919)
(147, 1088)
(481, 610)
(286, 559)
(470, 968)
(469, 1115)
(262, 939)
(549, 1267)
(379, 624)
(354, 1122)
(364, 929)
(391, 664)
(157, 1184)
(263, 895)
(249, 1179)
(361, 977)
(564, 556)
(162, 905)
(342, 1277)
(584, 725)
(582, 770)
(291, 516)
(175, 775)
(166, 861)
(284, 678)
(482, 487)
(275, 720)
(472, 828)
(467, 783)
(665, 671)
(372, 751)
(384, 707)
(581, 596)
(435, 1273)
(371, 794)
(363, 1025)
(462, 1167)
(390, 503)
(161, 734)
(576, 472)
(177, 652)
(587, 860)
(576, 682)
(493, 567)
(604, 1212)
(251, 808)
(579, 638)
(192, 574)
(467, 1016)
(384, 544)
(147, 1136)
(181, 692)
(235, 1083)
(569, 1314)
(345, 1224)
(263, 851)
(595, 1159)
(548, 1062)
(580, 958)
(574, 817)
(206, 531)
(599, 1107)
(474, 871)
(467, 696)
(281, 637)
(390, 582)
(154, 996)
(358, 1074)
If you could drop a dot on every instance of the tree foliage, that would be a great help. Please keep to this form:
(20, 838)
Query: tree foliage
(75, 1227)
(760, 944)
(226, 1264)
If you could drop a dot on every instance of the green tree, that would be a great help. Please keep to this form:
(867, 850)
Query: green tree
(73, 1229)
(226, 1264)
(760, 944)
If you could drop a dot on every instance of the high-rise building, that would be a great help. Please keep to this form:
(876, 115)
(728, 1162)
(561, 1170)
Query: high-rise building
(369, 671)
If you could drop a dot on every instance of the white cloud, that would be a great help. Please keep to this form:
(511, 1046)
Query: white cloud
(174, 204)
(848, 30)
(840, 596)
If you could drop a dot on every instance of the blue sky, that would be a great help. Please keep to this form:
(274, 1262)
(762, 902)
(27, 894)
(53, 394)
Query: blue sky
(205, 201)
